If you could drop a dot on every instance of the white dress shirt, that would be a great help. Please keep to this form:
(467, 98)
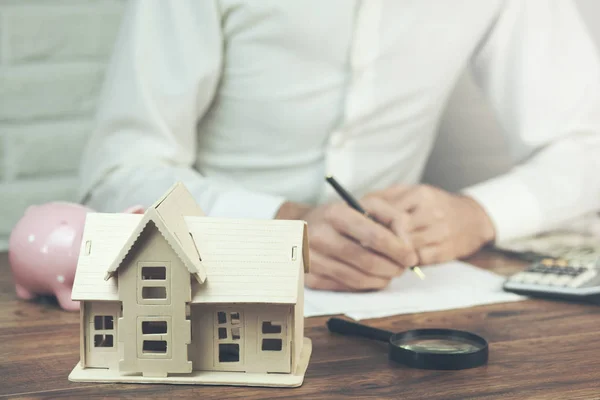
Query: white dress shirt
(251, 103)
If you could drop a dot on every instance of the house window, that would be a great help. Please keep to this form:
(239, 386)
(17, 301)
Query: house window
(154, 273)
(229, 352)
(103, 322)
(268, 327)
(103, 331)
(235, 333)
(271, 344)
(272, 338)
(154, 347)
(154, 327)
(154, 337)
(103, 341)
(153, 283)
(229, 330)
(154, 292)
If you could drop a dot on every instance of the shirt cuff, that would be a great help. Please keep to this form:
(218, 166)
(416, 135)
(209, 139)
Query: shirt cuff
(245, 204)
(511, 206)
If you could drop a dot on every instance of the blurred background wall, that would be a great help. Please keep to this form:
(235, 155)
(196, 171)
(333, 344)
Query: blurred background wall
(52, 59)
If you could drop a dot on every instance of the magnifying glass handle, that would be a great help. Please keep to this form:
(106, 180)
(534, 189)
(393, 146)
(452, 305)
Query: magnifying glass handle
(344, 327)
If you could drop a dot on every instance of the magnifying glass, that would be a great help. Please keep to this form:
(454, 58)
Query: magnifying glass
(440, 349)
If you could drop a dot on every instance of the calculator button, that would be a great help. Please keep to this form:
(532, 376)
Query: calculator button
(548, 279)
(562, 280)
(531, 277)
(540, 269)
(569, 271)
(581, 279)
(525, 277)
(574, 271)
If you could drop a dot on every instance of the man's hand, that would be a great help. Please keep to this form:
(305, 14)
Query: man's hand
(350, 252)
(442, 226)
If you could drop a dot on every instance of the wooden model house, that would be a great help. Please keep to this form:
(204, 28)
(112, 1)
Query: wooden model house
(173, 296)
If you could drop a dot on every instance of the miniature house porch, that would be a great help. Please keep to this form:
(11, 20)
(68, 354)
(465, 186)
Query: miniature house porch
(172, 296)
(243, 337)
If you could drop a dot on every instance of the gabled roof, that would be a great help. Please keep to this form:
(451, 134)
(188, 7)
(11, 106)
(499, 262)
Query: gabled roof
(167, 214)
(104, 235)
(249, 261)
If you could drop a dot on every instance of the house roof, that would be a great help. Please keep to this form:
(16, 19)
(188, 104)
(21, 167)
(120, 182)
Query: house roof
(104, 236)
(246, 261)
(249, 261)
(168, 216)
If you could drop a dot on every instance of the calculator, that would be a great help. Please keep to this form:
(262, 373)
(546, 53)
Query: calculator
(564, 279)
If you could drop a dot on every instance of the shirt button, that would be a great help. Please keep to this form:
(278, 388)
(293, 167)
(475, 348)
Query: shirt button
(337, 140)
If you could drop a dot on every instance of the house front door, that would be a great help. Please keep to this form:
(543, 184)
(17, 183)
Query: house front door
(274, 341)
(101, 334)
(230, 337)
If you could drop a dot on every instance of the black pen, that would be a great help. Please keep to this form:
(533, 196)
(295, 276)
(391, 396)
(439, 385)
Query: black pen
(352, 202)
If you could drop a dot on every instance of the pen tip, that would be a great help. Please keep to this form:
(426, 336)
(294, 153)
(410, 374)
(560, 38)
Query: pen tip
(418, 271)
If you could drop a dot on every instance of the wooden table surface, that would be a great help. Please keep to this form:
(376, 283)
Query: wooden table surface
(538, 350)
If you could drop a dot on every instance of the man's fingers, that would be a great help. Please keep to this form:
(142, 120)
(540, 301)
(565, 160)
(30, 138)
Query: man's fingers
(370, 263)
(393, 193)
(434, 254)
(320, 282)
(386, 214)
(339, 247)
(433, 234)
(417, 197)
(410, 200)
(424, 217)
(346, 274)
(371, 235)
(397, 221)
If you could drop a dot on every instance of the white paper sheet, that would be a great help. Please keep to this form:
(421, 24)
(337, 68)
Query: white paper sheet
(447, 286)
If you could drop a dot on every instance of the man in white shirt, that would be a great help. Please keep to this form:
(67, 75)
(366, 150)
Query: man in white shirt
(251, 103)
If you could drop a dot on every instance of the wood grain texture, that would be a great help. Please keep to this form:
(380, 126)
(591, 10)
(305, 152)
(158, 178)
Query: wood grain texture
(538, 350)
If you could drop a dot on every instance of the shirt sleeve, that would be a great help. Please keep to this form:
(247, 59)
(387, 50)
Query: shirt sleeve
(162, 78)
(540, 71)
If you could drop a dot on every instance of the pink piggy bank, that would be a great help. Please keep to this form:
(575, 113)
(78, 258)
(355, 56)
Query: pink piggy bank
(44, 247)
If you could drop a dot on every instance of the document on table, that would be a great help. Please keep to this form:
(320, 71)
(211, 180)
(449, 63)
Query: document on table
(447, 286)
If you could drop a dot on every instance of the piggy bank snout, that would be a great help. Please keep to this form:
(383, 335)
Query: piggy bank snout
(44, 248)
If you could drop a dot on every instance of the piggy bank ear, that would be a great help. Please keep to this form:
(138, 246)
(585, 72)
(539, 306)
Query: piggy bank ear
(134, 210)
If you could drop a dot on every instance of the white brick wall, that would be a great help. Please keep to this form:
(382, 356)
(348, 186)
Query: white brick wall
(52, 59)
(46, 32)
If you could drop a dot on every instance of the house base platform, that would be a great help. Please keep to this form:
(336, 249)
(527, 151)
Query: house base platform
(295, 379)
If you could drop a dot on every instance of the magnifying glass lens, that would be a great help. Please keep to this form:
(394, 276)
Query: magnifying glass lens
(432, 348)
(438, 345)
